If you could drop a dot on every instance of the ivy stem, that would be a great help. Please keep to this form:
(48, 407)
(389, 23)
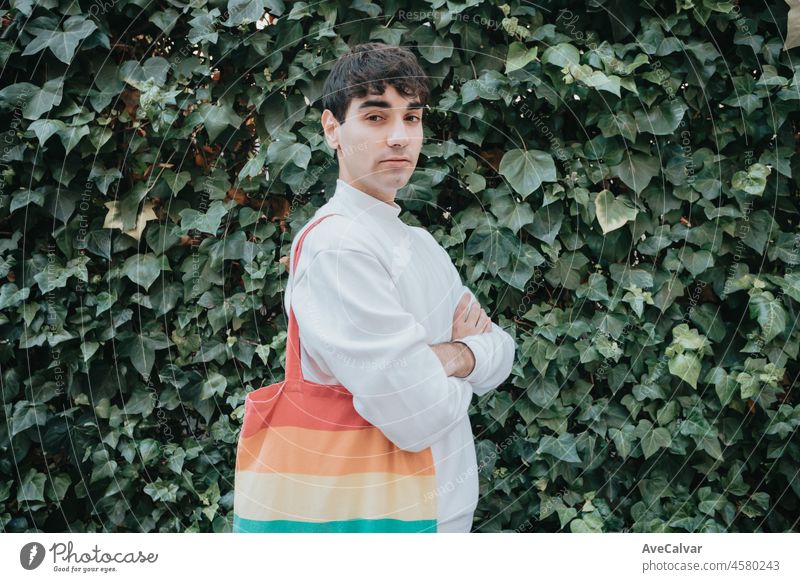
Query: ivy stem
(521, 141)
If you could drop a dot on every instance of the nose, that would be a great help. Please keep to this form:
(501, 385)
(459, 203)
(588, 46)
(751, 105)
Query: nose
(398, 133)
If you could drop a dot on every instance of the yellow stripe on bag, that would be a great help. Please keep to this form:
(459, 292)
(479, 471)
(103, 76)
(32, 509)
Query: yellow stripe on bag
(331, 498)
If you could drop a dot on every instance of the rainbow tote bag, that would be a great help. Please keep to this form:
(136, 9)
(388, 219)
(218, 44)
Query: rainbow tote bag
(306, 461)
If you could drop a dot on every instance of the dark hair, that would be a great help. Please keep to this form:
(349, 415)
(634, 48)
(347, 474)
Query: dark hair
(365, 69)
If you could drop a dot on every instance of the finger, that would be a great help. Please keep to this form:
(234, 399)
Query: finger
(471, 316)
(462, 305)
(469, 312)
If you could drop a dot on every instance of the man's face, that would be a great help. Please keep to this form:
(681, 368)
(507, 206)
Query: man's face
(377, 128)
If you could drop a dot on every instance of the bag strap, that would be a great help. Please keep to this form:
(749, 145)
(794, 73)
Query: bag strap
(294, 370)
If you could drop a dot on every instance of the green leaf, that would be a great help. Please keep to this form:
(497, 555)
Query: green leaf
(748, 384)
(613, 212)
(511, 213)
(165, 20)
(162, 491)
(28, 414)
(11, 295)
(280, 154)
(637, 171)
(563, 448)
(686, 367)
(56, 488)
(88, 349)
(45, 128)
(216, 118)
(697, 262)
(526, 170)
(498, 246)
(596, 289)
(244, 11)
(149, 449)
(623, 439)
(561, 55)
(142, 269)
(213, 386)
(104, 177)
(71, 136)
(142, 354)
(141, 401)
(565, 514)
(208, 222)
(595, 79)
(619, 123)
(688, 338)
(792, 26)
(521, 267)
(263, 353)
(502, 405)
(176, 181)
(710, 501)
(663, 119)
(724, 385)
(62, 43)
(175, 460)
(757, 230)
(791, 285)
(103, 469)
(753, 181)
(770, 314)
(23, 198)
(588, 523)
(655, 439)
(31, 488)
(255, 165)
(44, 99)
(546, 223)
(431, 46)
(758, 503)
(519, 55)
(568, 271)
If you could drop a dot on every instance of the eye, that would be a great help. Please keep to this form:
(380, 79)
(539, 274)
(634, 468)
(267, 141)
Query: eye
(374, 115)
(416, 116)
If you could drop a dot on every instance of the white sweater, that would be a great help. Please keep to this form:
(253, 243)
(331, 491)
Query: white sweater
(371, 294)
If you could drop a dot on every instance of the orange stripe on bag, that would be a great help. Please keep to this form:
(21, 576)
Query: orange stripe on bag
(289, 449)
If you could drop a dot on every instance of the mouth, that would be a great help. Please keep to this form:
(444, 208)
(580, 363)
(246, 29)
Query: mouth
(396, 161)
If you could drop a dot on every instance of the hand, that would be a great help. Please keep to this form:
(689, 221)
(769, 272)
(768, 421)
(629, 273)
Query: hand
(456, 357)
(469, 321)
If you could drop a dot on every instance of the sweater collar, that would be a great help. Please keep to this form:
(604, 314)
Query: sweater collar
(359, 202)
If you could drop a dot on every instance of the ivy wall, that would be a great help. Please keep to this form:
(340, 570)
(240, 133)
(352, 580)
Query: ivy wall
(617, 180)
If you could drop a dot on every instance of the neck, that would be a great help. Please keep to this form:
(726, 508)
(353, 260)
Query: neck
(387, 197)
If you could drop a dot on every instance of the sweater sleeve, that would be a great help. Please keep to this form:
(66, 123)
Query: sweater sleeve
(350, 319)
(494, 353)
(494, 350)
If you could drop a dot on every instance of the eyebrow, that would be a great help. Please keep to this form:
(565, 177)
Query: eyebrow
(386, 105)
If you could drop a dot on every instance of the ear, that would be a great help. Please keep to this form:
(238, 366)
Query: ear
(331, 128)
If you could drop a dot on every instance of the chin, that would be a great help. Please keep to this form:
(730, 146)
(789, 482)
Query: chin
(399, 181)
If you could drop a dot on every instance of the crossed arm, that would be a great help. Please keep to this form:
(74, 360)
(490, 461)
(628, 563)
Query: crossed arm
(480, 351)
(456, 356)
(378, 350)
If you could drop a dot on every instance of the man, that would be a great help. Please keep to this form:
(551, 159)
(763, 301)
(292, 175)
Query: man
(380, 307)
